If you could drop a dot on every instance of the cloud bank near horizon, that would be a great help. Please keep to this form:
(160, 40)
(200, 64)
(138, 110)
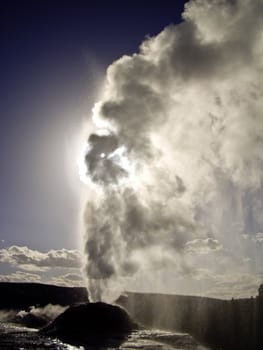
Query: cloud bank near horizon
(34, 260)
(60, 267)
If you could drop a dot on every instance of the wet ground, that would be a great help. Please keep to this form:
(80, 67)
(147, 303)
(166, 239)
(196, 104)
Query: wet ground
(21, 338)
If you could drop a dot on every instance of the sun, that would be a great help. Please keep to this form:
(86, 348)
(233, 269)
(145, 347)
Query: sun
(106, 168)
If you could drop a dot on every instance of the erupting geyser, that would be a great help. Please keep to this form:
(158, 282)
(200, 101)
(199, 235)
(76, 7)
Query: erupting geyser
(175, 161)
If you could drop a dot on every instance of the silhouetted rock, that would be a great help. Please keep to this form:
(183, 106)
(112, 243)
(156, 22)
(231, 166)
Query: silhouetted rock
(23, 295)
(97, 324)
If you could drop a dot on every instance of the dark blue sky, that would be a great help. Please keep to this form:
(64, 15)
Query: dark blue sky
(53, 53)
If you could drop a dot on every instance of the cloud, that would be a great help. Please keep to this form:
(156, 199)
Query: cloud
(258, 237)
(203, 246)
(20, 276)
(224, 284)
(175, 153)
(33, 260)
(69, 280)
(235, 285)
(66, 280)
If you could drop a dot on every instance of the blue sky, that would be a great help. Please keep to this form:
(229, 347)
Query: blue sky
(186, 111)
(54, 55)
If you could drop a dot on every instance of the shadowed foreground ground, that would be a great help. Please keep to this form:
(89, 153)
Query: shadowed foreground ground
(222, 324)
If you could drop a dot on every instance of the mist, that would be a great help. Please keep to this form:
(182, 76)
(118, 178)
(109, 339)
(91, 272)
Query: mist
(34, 316)
(173, 161)
(44, 314)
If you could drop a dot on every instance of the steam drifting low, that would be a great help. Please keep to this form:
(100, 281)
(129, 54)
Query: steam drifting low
(174, 163)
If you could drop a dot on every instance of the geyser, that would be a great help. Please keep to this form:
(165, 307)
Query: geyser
(174, 165)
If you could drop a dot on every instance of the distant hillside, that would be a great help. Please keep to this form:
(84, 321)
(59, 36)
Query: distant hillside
(23, 295)
(222, 324)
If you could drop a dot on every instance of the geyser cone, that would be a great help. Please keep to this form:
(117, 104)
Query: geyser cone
(97, 324)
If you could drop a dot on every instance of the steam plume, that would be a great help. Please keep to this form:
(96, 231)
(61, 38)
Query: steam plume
(175, 160)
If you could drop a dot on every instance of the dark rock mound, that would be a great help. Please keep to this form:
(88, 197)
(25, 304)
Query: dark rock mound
(98, 324)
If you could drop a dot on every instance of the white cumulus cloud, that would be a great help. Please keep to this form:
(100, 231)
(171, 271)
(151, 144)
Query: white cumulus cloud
(203, 246)
(34, 260)
(69, 280)
(20, 276)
